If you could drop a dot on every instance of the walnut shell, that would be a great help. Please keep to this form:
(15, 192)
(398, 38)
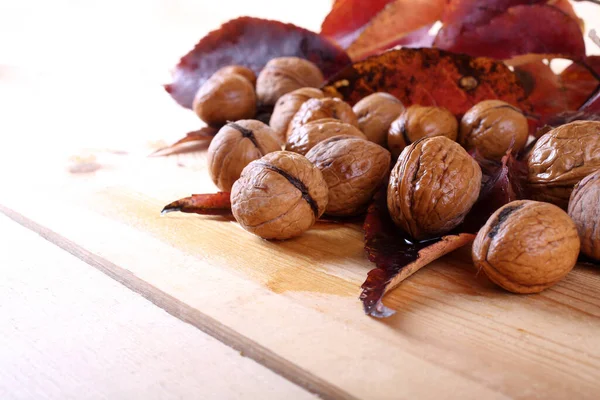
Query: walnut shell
(239, 70)
(376, 113)
(315, 109)
(584, 210)
(353, 169)
(561, 158)
(235, 146)
(305, 137)
(225, 97)
(432, 187)
(279, 196)
(527, 246)
(418, 122)
(287, 106)
(286, 74)
(493, 127)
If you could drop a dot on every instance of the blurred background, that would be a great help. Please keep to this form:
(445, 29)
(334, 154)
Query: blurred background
(89, 72)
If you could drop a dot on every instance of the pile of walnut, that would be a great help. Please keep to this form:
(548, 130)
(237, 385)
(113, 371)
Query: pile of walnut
(336, 156)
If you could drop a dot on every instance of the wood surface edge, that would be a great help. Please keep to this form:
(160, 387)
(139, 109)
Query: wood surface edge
(184, 312)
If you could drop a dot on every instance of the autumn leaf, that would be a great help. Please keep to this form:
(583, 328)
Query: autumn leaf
(204, 204)
(202, 135)
(250, 42)
(504, 33)
(429, 77)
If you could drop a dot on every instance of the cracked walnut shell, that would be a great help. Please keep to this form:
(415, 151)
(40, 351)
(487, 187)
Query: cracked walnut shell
(315, 109)
(235, 146)
(493, 127)
(279, 196)
(527, 246)
(286, 74)
(287, 106)
(305, 137)
(353, 168)
(561, 158)
(417, 122)
(432, 187)
(584, 210)
(375, 113)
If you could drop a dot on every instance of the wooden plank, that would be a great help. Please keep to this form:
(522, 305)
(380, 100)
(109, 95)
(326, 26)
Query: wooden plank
(70, 332)
(296, 301)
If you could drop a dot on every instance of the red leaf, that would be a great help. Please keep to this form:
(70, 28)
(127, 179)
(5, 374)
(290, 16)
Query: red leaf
(395, 256)
(205, 204)
(250, 42)
(366, 29)
(429, 77)
(504, 33)
(202, 135)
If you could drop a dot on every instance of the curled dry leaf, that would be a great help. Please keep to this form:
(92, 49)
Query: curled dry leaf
(250, 42)
(202, 135)
(381, 24)
(504, 29)
(205, 204)
(395, 257)
(429, 77)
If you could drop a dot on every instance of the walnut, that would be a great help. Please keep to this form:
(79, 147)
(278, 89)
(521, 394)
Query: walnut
(285, 74)
(493, 127)
(526, 246)
(279, 196)
(353, 169)
(287, 106)
(235, 146)
(239, 70)
(305, 137)
(432, 187)
(376, 113)
(584, 209)
(225, 97)
(561, 158)
(417, 122)
(315, 109)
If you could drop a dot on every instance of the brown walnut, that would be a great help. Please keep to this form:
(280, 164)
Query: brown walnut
(527, 246)
(584, 210)
(239, 70)
(225, 97)
(315, 109)
(279, 196)
(432, 187)
(305, 137)
(418, 122)
(235, 146)
(353, 169)
(286, 74)
(561, 158)
(376, 113)
(493, 127)
(287, 106)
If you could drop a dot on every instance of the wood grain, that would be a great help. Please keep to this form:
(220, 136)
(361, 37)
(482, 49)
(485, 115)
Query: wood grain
(70, 332)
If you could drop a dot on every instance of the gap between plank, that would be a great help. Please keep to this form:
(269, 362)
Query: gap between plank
(184, 312)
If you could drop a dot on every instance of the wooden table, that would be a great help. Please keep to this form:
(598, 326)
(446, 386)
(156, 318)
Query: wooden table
(102, 298)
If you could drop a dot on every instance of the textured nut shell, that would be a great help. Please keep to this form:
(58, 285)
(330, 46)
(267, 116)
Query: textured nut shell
(432, 187)
(315, 109)
(527, 246)
(240, 70)
(265, 203)
(375, 114)
(231, 150)
(287, 106)
(353, 169)
(417, 122)
(286, 74)
(561, 158)
(305, 137)
(493, 127)
(225, 98)
(584, 210)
